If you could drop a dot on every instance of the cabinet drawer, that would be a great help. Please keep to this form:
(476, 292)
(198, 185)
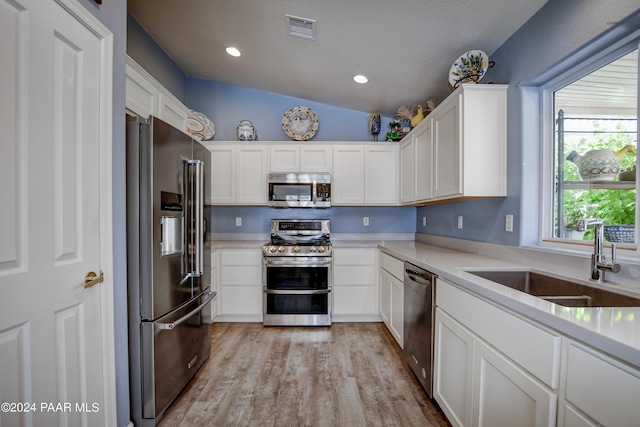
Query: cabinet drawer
(241, 275)
(241, 257)
(392, 265)
(354, 275)
(605, 390)
(534, 348)
(354, 256)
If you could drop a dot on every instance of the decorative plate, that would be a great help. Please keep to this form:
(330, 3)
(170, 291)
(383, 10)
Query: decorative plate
(199, 126)
(300, 123)
(470, 67)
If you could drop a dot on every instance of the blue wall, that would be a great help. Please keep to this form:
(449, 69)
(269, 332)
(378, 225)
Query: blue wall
(146, 52)
(226, 105)
(255, 219)
(535, 52)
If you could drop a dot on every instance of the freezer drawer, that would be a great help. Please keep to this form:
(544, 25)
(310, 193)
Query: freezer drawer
(173, 349)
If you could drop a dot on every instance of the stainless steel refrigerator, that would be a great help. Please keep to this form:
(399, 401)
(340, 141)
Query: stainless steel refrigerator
(168, 264)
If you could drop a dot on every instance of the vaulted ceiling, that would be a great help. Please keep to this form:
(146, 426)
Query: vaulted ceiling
(405, 47)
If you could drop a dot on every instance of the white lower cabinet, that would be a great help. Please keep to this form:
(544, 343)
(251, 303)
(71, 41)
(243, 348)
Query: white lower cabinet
(240, 287)
(453, 369)
(477, 381)
(390, 276)
(506, 395)
(598, 390)
(210, 312)
(355, 285)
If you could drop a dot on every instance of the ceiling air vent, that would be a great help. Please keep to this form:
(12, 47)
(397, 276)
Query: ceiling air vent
(301, 27)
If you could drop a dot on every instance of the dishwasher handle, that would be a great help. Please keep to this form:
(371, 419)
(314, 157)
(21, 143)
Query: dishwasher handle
(423, 278)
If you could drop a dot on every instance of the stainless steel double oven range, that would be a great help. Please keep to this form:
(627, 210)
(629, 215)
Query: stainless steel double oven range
(297, 273)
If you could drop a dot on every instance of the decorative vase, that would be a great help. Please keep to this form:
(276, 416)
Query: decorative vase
(246, 131)
(375, 122)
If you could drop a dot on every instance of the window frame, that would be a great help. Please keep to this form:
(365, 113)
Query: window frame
(547, 89)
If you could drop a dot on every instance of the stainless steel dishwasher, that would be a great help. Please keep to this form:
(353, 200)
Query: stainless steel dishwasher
(419, 298)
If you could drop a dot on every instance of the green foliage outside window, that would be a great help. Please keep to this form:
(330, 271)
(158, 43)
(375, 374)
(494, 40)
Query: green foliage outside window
(616, 206)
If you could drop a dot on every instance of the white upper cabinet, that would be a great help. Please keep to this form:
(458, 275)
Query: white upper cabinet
(145, 96)
(460, 149)
(316, 158)
(347, 182)
(365, 175)
(381, 174)
(300, 158)
(284, 158)
(416, 153)
(238, 173)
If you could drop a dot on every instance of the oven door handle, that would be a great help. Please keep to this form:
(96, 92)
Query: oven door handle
(296, 292)
(294, 262)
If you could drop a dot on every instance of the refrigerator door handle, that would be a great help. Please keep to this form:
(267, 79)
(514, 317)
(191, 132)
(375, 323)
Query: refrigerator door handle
(170, 326)
(193, 178)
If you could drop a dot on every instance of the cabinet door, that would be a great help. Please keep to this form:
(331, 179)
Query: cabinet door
(397, 310)
(223, 172)
(407, 163)
(381, 175)
(348, 175)
(447, 172)
(602, 388)
(423, 167)
(505, 395)
(316, 158)
(453, 369)
(251, 175)
(384, 281)
(284, 158)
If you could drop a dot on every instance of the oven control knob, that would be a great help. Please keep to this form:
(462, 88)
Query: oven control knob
(321, 249)
(296, 249)
(272, 249)
(312, 248)
(281, 249)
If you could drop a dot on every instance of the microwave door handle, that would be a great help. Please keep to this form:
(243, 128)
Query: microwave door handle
(314, 191)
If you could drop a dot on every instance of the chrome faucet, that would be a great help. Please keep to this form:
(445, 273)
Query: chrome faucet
(599, 264)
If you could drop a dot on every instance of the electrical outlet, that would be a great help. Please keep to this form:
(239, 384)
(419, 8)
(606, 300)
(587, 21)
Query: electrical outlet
(459, 221)
(365, 221)
(508, 223)
(424, 221)
(238, 221)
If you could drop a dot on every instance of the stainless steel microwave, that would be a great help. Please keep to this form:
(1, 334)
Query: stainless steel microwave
(300, 190)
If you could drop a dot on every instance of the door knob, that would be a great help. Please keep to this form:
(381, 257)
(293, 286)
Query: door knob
(93, 279)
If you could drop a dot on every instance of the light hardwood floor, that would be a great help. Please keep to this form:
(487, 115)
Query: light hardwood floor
(349, 374)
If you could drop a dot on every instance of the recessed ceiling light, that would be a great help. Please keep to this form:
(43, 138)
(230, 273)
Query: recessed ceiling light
(360, 79)
(233, 51)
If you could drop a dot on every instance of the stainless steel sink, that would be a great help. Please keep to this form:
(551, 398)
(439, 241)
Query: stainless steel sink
(558, 291)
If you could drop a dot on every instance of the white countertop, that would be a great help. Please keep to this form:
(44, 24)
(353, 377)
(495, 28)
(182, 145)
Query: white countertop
(613, 330)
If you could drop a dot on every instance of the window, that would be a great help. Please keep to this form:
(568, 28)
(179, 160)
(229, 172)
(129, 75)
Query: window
(595, 137)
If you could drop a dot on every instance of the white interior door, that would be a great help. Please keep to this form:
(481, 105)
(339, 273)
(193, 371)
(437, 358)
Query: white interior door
(55, 348)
